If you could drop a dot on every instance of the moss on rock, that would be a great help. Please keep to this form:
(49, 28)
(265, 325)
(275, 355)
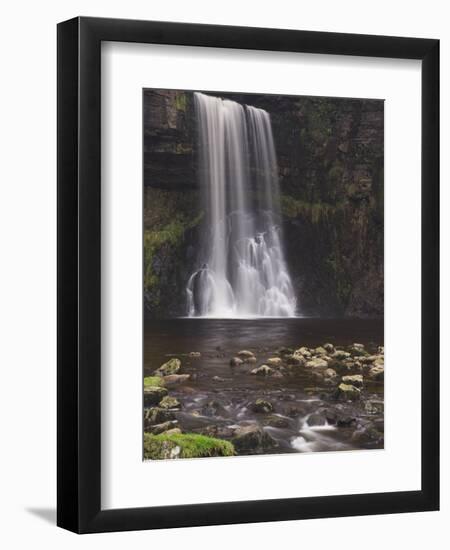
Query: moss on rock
(175, 445)
(153, 381)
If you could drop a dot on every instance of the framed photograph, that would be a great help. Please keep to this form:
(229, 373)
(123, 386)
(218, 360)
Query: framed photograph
(248, 254)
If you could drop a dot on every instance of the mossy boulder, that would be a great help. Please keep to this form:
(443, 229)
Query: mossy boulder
(347, 392)
(153, 381)
(153, 395)
(176, 445)
(157, 415)
(171, 367)
(169, 402)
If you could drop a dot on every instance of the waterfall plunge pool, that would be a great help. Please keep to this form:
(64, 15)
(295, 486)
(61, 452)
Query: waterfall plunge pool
(219, 397)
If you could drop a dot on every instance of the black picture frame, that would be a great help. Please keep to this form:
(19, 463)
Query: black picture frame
(79, 280)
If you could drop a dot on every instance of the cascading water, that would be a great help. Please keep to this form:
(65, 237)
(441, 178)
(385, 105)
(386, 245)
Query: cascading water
(243, 271)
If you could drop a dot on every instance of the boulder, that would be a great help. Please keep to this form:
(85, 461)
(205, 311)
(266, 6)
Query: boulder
(236, 361)
(156, 415)
(261, 406)
(317, 363)
(340, 355)
(171, 367)
(252, 439)
(195, 354)
(368, 436)
(250, 359)
(179, 445)
(173, 379)
(329, 373)
(320, 351)
(357, 349)
(263, 370)
(354, 380)
(169, 402)
(274, 362)
(295, 360)
(329, 348)
(347, 392)
(153, 395)
(304, 352)
(377, 373)
(316, 419)
(163, 427)
(245, 354)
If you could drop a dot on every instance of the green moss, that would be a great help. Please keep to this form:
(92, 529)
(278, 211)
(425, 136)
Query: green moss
(153, 381)
(313, 211)
(341, 279)
(185, 446)
(167, 216)
(180, 101)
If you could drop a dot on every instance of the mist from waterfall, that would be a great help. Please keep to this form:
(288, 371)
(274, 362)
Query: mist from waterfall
(242, 272)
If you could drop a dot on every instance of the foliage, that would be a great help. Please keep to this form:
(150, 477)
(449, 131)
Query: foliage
(313, 211)
(190, 446)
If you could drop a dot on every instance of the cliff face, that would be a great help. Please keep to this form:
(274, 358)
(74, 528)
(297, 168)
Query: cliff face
(330, 157)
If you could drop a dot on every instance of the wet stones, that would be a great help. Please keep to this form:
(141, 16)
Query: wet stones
(276, 421)
(236, 361)
(274, 362)
(169, 402)
(340, 355)
(156, 415)
(347, 392)
(261, 406)
(353, 380)
(252, 439)
(153, 395)
(263, 370)
(163, 427)
(329, 348)
(171, 367)
(377, 373)
(317, 363)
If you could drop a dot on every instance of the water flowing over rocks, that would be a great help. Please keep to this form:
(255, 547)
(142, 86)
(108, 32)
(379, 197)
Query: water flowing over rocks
(338, 407)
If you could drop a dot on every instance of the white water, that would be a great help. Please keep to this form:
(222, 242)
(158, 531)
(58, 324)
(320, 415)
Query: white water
(243, 272)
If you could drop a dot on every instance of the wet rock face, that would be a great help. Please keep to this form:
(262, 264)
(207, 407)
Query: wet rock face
(331, 159)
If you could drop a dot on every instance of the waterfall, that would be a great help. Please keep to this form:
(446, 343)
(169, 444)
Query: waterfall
(242, 271)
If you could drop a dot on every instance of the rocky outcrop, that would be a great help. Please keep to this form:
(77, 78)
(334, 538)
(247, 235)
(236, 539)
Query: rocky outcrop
(330, 157)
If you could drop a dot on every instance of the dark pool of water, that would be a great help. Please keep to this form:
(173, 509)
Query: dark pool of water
(295, 398)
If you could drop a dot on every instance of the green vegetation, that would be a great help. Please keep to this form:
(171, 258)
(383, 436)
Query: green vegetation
(185, 446)
(167, 216)
(315, 212)
(153, 381)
